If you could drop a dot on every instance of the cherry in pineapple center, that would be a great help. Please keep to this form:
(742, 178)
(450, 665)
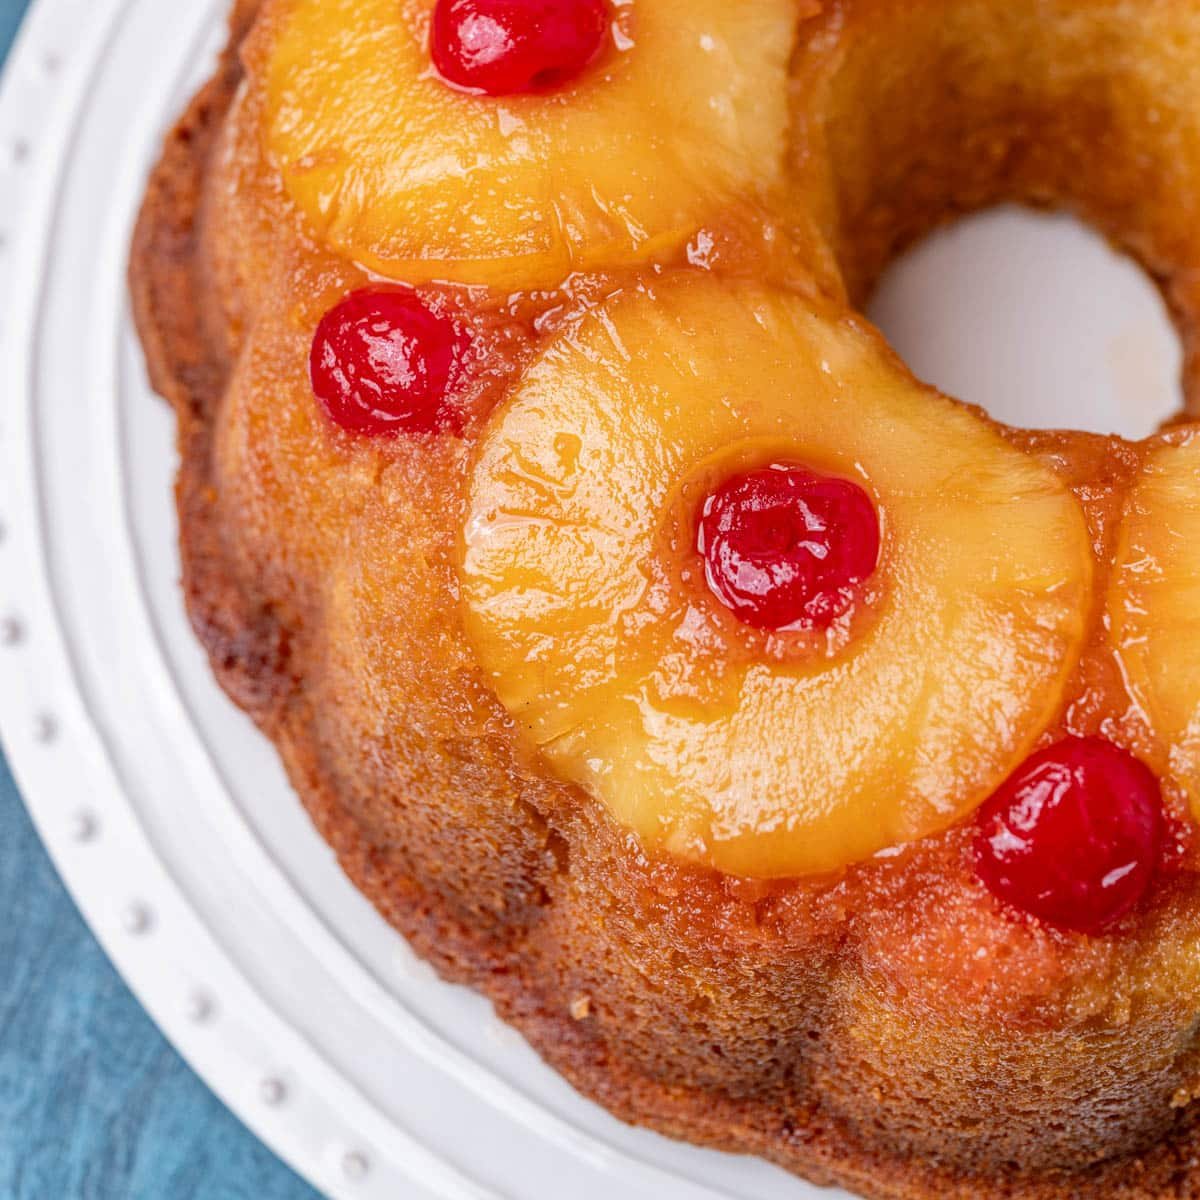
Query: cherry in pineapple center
(785, 548)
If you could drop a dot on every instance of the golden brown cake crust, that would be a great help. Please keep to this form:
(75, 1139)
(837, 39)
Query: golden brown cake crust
(629, 975)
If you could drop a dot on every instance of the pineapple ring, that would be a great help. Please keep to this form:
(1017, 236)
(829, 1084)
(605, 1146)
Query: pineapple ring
(633, 688)
(1154, 600)
(417, 181)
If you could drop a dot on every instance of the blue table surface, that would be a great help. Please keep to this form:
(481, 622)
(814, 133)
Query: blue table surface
(93, 1102)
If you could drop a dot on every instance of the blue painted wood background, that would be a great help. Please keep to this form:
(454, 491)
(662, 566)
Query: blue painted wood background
(94, 1105)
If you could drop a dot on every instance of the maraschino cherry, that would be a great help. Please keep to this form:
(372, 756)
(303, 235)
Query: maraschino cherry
(383, 362)
(1073, 837)
(786, 548)
(507, 47)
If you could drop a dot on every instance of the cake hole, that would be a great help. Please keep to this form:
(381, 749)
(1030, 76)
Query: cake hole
(1035, 318)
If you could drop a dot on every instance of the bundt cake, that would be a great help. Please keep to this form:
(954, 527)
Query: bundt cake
(804, 762)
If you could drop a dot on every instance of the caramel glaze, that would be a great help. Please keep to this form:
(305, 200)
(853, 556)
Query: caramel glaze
(891, 1028)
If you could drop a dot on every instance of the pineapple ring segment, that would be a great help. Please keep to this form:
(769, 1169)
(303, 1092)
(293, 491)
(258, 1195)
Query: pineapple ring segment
(1154, 603)
(633, 685)
(418, 181)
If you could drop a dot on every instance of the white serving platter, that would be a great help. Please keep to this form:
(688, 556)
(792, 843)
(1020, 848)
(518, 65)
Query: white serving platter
(169, 817)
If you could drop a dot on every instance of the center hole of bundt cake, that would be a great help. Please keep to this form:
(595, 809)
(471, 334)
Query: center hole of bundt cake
(1035, 318)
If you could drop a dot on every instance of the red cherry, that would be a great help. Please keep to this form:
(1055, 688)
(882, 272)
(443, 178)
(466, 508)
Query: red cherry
(1073, 837)
(383, 362)
(506, 47)
(785, 548)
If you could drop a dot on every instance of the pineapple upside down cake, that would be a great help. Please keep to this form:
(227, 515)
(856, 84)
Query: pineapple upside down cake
(807, 764)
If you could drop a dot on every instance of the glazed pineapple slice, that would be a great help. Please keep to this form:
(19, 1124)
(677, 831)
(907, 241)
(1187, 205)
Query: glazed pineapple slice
(681, 119)
(760, 752)
(1154, 601)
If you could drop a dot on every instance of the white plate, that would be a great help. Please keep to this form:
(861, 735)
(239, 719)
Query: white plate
(168, 817)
